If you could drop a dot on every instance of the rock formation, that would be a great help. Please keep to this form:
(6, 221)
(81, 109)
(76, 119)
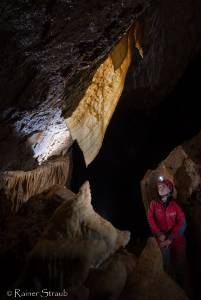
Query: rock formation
(91, 118)
(148, 280)
(111, 276)
(55, 56)
(20, 186)
(75, 240)
(52, 61)
(63, 68)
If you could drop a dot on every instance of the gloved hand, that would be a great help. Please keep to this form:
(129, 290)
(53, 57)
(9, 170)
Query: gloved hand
(166, 243)
(162, 237)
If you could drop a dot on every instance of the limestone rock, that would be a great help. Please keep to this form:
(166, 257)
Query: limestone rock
(54, 52)
(167, 30)
(181, 168)
(148, 280)
(20, 232)
(108, 281)
(76, 239)
(50, 52)
(91, 118)
(20, 186)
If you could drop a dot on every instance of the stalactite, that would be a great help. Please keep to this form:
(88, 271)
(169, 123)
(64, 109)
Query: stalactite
(20, 186)
(90, 120)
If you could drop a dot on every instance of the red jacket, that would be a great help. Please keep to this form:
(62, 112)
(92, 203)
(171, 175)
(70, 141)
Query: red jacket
(168, 220)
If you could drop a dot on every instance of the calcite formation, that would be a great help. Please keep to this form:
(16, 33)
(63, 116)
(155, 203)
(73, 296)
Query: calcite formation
(60, 62)
(179, 167)
(111, 276)
(20, 231)
(20, 186)
(76, 239)
(149, 281)
(63, 69)
(89, 121)
(51, 51)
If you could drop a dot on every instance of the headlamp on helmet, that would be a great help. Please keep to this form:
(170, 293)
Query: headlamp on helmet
(160, 178)
(167, 182)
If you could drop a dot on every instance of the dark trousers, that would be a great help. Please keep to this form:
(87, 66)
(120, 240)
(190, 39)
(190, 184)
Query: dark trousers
(176, 264)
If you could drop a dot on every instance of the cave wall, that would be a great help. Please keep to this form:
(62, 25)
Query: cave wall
(170, 42)
(90, 120)
(51, 53)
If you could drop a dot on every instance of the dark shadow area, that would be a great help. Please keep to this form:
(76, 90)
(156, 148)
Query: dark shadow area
(137, 140)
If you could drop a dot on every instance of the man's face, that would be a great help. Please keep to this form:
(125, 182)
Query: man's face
(163, 189)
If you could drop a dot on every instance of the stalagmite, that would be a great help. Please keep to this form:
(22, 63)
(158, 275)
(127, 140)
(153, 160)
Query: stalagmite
(149, 281)
(76, 239)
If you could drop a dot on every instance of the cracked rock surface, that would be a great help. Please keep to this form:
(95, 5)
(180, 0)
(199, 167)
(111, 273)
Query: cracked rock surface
(49, 52)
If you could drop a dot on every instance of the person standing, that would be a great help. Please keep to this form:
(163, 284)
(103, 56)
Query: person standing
(168, 224)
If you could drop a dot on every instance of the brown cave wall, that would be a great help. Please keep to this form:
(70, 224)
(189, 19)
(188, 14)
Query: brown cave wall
(33, 118)
(52, 51)
(100, 99)
(49, 57)
(170, 43)
(49, 61)
(137, 140)
(28, 178)
(90, 119)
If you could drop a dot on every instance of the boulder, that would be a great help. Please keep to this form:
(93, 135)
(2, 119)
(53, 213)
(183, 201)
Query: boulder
(148, 281)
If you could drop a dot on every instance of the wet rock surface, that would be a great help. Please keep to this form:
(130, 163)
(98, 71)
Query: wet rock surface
(50, 50)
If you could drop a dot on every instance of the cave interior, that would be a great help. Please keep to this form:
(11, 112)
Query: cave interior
(48, 183)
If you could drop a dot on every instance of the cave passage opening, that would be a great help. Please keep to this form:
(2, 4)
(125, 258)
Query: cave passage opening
(138, 138)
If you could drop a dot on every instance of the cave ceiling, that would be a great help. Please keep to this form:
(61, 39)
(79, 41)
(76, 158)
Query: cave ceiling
(64, 64)
(52, 51)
